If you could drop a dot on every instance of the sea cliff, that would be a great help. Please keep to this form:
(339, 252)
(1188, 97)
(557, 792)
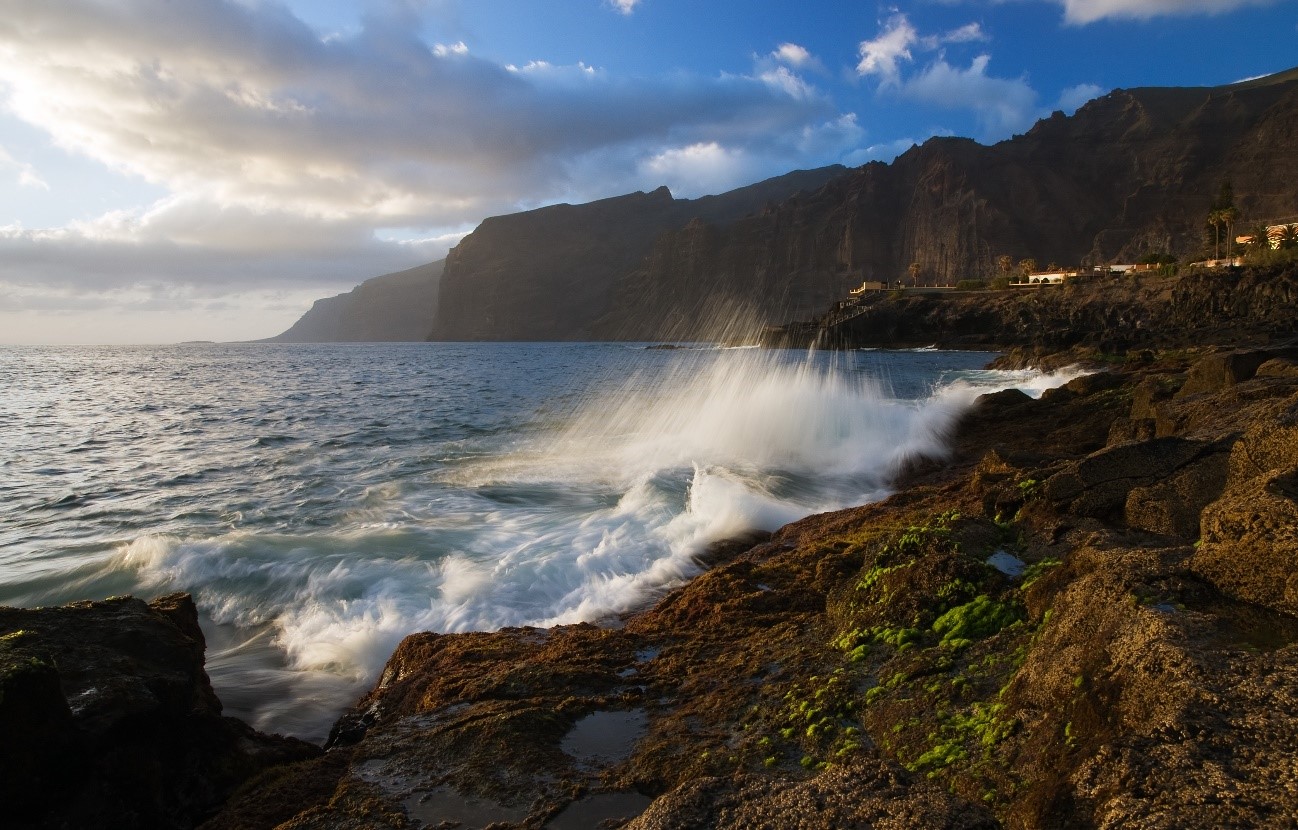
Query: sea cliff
(1130, 174)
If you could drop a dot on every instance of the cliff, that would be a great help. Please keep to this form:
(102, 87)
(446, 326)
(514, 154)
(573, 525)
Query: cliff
(549, 274)
(1130, 173)
(393, 307)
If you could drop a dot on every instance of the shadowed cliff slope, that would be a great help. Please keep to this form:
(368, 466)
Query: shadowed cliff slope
(1131, 173)
(393, 307)
(548, 274)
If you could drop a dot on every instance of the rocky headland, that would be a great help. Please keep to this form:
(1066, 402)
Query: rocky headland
(1085, 616)
(391, 308)
(1086, 318)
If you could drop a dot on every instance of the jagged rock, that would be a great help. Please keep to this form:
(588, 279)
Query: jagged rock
(1216, 372)
(1278, 367)
(112, 722)
(1250, 541)
(1173, 505)
(1144, 701)
(1149, 392)
(1099, 485)
(1269, 444)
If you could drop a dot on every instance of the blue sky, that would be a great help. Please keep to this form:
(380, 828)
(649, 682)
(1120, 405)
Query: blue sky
(204, 169)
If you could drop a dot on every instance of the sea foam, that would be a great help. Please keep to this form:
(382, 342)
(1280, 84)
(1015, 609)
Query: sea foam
(595, 510)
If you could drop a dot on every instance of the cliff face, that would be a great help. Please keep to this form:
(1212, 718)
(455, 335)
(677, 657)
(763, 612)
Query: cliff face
(1131, 173)
(394, 307)
(549, 274)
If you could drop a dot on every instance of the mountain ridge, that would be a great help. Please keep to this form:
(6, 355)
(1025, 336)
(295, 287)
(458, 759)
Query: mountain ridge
(1132, 172)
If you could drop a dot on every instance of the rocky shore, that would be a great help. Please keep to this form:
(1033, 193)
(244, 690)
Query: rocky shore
(1085, 617)
(1084, 318)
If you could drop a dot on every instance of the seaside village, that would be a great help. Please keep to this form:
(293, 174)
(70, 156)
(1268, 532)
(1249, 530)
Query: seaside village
(1281, 234)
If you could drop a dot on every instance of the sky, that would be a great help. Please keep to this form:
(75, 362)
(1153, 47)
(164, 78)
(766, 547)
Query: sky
(204, 169)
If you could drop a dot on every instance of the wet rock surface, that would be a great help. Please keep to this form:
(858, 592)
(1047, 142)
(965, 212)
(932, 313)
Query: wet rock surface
(109, 720)
(1136, 667)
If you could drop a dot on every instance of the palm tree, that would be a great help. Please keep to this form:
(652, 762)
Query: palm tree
(1288, 237)
(1261, 237)
(1215, 220)
(1228, 217)
(913, 270)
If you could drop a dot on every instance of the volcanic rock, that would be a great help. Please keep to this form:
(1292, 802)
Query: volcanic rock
(110, 720)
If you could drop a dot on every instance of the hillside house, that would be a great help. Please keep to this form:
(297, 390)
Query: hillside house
(1046, 278)
(868, 285)
(1275, 234)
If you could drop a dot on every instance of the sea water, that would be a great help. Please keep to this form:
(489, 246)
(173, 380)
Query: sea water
(321, 502)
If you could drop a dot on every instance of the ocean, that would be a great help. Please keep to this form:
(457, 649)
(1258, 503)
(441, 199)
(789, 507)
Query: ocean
(321, 502)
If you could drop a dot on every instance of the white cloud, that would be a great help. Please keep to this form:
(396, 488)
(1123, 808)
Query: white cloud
(246, 106)
(1002, 105)
(836, 139)
(442, 50)
(1089, 11)
(144, 314)
(887, 151)
(1075, 96)
(789, 83)
(792, 54)
(698, 168)
(968, 33)
(27, 175)
(883, 55)
(624, 6)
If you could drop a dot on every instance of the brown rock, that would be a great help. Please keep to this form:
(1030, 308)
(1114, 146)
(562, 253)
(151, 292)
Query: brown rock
(1219, 371)
(1099, 484)
(1139, 700)
(1149, 392)
(870, 793)
(1279, 367)
(111, 721)
(1269, 443)
(1173, 504)
(1250, 542)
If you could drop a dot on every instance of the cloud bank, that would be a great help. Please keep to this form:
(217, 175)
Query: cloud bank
(1089, 11)
(285, 151)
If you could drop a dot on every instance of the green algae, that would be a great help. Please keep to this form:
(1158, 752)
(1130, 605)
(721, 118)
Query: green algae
(975, 620)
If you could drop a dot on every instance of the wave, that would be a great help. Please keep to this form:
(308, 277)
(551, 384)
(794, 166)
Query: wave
(592, 513)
